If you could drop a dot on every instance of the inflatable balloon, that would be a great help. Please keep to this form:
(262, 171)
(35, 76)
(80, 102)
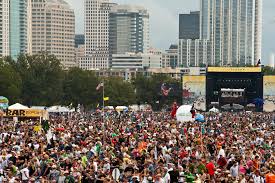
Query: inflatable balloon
(183, 113)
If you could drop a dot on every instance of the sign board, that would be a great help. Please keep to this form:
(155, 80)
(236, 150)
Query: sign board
(24, 113)
(234, 69)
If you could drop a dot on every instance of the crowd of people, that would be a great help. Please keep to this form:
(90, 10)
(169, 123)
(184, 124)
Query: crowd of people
(139, 147)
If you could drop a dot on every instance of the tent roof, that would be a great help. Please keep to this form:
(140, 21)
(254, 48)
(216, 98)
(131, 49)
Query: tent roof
(59, 109)
(18, 106)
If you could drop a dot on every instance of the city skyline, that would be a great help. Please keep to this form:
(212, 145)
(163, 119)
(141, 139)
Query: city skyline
(164, 16)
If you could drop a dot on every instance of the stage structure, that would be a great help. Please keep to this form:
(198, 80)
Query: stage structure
(233, 87)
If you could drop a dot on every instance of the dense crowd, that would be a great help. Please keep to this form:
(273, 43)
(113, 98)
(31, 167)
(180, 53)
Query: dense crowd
(142, 147)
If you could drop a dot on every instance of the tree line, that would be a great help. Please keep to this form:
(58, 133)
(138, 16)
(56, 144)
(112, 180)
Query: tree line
(39, 80)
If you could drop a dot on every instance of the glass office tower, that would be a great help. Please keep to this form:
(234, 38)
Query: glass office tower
(15, 29)
(234, 30)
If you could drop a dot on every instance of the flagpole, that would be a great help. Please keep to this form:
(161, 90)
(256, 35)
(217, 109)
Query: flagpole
(103, 103)
(103, 98)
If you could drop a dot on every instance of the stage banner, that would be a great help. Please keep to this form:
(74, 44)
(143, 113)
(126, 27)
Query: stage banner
(269, 93)
(194, 91)
(234, 69)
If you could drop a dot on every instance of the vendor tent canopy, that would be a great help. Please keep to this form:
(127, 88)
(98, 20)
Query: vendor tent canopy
(121, 108)
(59, 109)
(17, 106)
(39, 107)
(215, 110)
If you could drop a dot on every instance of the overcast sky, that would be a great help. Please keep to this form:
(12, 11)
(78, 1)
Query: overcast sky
(164, 20)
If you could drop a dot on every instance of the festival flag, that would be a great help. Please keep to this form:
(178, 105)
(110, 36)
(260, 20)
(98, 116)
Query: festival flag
(106, 98)
(99, 86)
(259, 63)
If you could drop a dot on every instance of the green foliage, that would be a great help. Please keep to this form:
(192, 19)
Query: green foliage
(80, 88)
(10, 82)
(268, 70)
(120, 92)
(148, 90)
(42, 79)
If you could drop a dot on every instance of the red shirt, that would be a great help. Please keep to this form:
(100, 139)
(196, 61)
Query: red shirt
(270, 178)
(210, 168)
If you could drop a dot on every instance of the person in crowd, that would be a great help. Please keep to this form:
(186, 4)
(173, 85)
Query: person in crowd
(139, 147)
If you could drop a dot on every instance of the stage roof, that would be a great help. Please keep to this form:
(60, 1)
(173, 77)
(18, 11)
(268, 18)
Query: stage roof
(234, 69)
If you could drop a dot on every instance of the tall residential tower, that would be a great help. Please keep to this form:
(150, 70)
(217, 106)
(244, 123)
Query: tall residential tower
(128, 29)
(15, 27)
(192, 51)
(234, 29)
(53, 23)
(96, 15)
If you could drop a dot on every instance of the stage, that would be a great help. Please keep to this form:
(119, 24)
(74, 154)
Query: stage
(233, 86)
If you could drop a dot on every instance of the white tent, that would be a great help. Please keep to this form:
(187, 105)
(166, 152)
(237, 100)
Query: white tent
(39, 107)
(61, 109)
(215, 110)
(121, 108)
(18, 106)
(109, 107)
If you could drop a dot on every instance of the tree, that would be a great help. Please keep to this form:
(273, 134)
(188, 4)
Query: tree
(268, 70)
(42, 77)
(148, 90)
(119, 92)
(80, 88)
(10, 82)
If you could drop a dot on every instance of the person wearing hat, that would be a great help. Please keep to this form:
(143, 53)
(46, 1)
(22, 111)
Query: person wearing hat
(166, 177)
(54, 173)
(106, 166)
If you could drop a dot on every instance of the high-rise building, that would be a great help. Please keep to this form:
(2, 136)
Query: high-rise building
(136, 61)
(128, 29)
(79, 40)
(96, 34)
(170, 57)
(194, 52)
(234, 29)
(15, 27)
(79, 54)
(53, 23)
(189, 25)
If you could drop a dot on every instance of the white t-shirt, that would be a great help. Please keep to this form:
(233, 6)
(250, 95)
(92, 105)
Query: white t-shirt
(221, 153)
(95, 166)
(166, 178)
(258, 179)
(25, 174)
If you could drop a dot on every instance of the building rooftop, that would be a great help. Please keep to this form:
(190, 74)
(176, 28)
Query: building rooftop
(125, 8)
(61, 2)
